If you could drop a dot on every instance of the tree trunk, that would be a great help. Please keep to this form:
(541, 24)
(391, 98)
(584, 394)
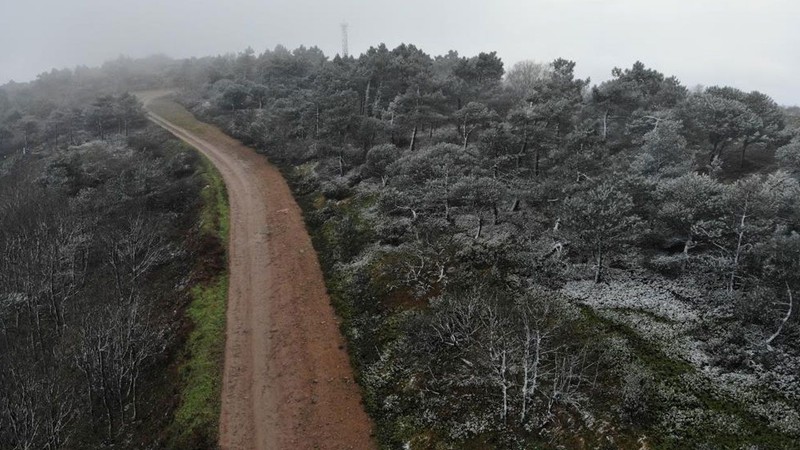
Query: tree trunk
(738, 252)
(714, 150)
(744, 149)
(598, 273)
(316, 122)
(504, 386)
(391, 127)
(135, 392)
(377, 103)
(525, 370)
(413, 138)
(464, 132)
(366, 99)
(531, 369)
(480, 227)
(105, 394)
(689, 244)
(522, 150)
(785, 318)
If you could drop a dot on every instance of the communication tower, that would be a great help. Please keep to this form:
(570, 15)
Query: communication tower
(345, 52)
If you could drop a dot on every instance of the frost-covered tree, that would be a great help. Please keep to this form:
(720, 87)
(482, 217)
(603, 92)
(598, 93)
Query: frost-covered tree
(524, 78)
(664, 152)
(720, 120)
(687, 205)
(601, 221)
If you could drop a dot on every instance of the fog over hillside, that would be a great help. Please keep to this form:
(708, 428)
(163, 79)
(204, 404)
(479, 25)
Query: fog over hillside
(728, 42)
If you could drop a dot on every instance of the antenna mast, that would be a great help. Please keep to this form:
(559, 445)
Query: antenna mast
(345, 52)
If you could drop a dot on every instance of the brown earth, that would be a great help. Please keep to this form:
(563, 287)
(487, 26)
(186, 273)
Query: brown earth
(287, 381)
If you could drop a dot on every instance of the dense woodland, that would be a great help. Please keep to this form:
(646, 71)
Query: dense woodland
(522, 259)
(99, 245)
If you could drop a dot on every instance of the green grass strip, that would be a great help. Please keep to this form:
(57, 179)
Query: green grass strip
(196, 421)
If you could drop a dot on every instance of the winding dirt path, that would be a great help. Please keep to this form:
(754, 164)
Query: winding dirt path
(287, 382)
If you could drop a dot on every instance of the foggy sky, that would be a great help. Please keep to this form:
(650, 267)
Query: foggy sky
(750, 44)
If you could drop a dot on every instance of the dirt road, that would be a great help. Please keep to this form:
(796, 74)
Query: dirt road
(287, 382)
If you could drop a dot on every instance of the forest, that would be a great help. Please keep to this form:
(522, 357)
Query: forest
(104, 256)
(525, 259)
(521, 258)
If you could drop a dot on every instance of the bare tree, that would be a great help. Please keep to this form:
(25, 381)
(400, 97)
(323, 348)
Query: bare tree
(497, 348)
(535, 336)
(525, 77)
(117, 345)
(133, 250)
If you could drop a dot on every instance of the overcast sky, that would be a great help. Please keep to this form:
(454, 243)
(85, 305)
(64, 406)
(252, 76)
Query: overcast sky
(750, 44)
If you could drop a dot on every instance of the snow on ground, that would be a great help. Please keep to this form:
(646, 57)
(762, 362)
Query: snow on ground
(655, 297)
(668, 315)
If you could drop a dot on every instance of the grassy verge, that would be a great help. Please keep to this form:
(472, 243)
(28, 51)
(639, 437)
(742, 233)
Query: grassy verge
(215, 215)
(176, 114)
(196, 420)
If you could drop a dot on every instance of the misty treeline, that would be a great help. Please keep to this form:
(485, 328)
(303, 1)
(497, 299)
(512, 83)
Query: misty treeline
(458, 206)
(59, 106)
(95, 209)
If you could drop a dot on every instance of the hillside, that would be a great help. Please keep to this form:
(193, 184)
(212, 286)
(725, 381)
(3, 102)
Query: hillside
(520, 258)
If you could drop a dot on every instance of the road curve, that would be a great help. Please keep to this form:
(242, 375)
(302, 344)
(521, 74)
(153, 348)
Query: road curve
(287, 381)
